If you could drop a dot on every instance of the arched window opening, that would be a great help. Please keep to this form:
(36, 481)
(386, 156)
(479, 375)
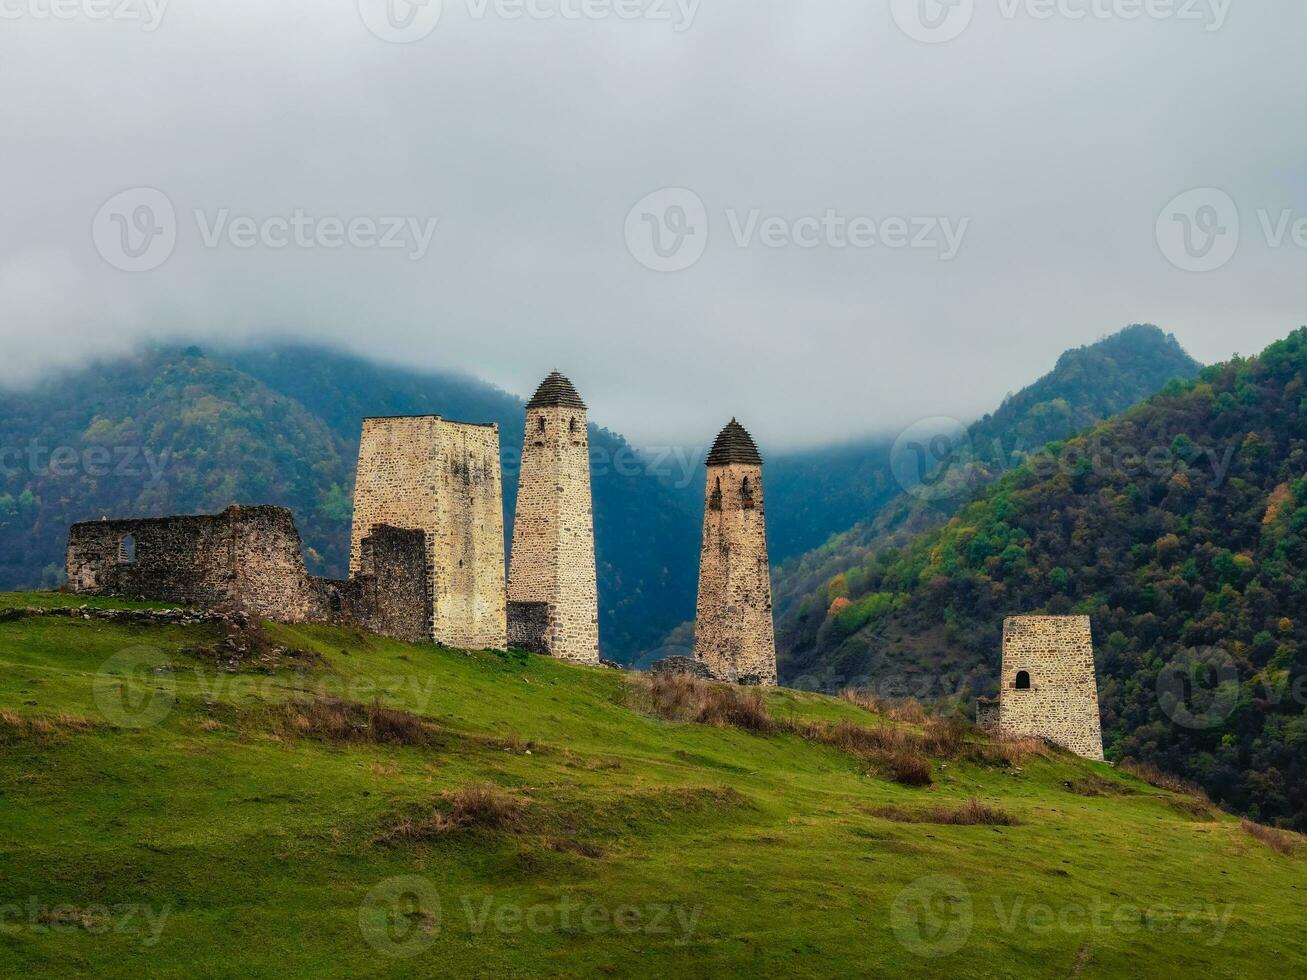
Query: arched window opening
(715, 501)
(334, 600)
(746, 495)
(571, 426)
(127, 549)
(1023, 680)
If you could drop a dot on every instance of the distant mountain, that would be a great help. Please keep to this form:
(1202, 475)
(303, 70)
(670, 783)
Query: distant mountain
(187, 431)
(1180, 528)
(1087, 385)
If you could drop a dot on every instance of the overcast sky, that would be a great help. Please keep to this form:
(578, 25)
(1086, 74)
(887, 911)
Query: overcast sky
(1031, 161)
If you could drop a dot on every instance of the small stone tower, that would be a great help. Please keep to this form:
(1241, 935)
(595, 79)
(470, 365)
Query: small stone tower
(553, 603)
(733, 633)
(1047, 687)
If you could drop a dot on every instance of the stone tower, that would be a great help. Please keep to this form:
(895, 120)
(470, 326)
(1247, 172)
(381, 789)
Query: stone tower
(1047, 687)
(553, 603)
(425, 473)
(733, 633)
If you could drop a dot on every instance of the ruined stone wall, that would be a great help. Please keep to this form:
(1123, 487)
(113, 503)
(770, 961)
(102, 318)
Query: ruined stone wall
(553, 602)
(734, 635)
(245, 557)
(1061, 704)
(390, 595)
(442, 478)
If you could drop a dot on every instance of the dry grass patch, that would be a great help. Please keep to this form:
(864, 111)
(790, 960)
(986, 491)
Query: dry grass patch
(1005, 751)
(14, 726)
(334, 720)
(683, 697)
(1153, 776)
(906, 710)
(476, 806)
(971, 813)
(1286, 842)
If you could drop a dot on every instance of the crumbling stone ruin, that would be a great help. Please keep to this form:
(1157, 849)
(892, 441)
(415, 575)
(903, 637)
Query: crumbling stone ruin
(249, 559)
(1047, 684)
(734, 635)
(553, 599)
(426, 551)
(440, 478)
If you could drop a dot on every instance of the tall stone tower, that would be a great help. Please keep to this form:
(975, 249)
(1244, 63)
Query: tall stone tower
(1047, 686)
(553, 603)
(733, 633)
(424, 473)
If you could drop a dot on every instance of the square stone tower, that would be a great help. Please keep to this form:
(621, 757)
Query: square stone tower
(733, 633)
(1048, 687)
(427, 474)
(553, 601)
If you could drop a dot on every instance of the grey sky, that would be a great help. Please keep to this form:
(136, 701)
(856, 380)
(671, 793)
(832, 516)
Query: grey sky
(1050, 148)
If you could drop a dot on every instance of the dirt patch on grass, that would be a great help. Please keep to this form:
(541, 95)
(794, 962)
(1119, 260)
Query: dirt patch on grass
(971, 813)
(246, 647)
(1285, 842)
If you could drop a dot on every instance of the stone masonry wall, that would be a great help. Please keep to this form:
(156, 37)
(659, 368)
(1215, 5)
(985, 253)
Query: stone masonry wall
(249, 558)
(1061, 703)
(390, 595)
(553, 603)
(245, 557)
(442, 478)
(734, 635)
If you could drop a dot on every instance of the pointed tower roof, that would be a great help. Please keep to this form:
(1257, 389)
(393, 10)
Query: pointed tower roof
(556, 392)
(734, 445)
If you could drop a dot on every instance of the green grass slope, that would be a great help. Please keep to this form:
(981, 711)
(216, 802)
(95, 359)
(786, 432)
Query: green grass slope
(163, 813)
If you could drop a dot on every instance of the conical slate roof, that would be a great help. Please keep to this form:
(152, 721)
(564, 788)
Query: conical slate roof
(556, 392)
(734, 445)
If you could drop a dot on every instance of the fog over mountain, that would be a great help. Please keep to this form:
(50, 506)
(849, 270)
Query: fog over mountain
(889, 229)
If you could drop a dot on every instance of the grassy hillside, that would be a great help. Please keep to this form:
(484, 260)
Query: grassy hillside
(173, 806)
(1179, 528)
